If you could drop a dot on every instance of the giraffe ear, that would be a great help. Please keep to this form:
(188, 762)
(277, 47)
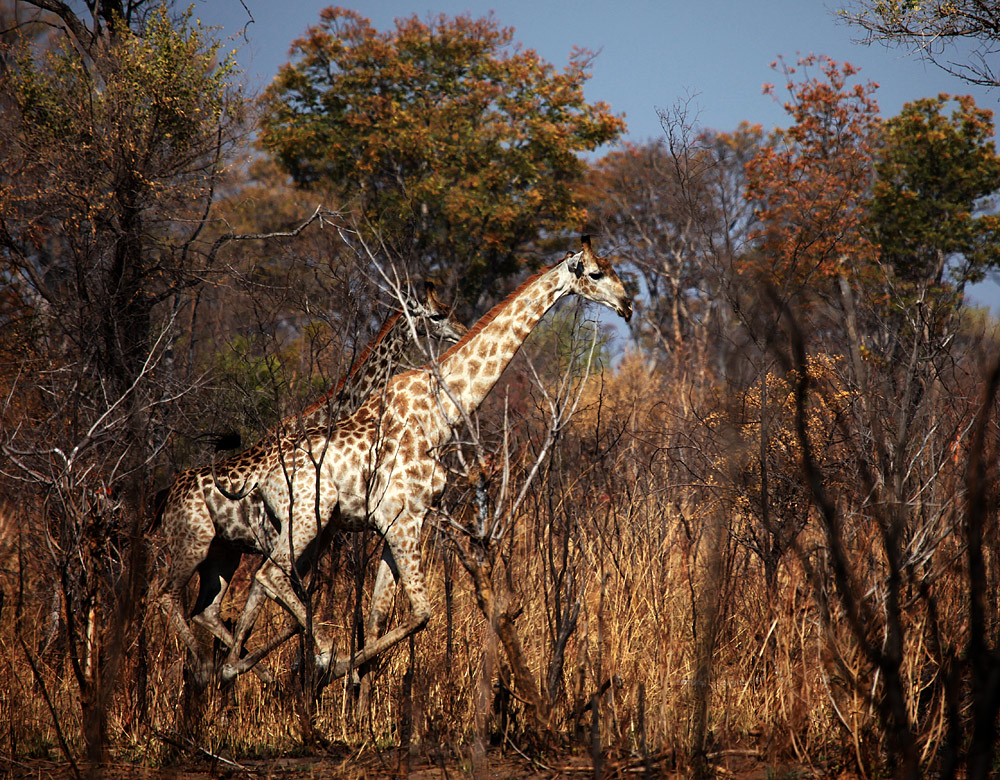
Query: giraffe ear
(576, 266)
(430, 295)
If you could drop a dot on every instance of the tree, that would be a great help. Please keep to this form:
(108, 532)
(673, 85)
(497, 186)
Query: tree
(934, 173)
(932, 28)
(111, 142)
(892, 454)
(458, 148)
(677, 204)
(99, 151)
(811, 182)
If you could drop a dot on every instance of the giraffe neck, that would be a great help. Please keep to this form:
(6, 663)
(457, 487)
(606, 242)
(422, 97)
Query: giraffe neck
(472, 367)
(373, 369)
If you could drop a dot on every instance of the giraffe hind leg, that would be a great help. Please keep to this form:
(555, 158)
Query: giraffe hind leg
(215, 573)
(182, 566)
(171, 604)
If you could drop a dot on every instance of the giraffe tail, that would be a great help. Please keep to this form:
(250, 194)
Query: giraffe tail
(238, 495)
(227, 440)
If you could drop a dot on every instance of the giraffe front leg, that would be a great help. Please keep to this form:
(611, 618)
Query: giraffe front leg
(403, 543)
(234, 664)
(383, 594)
(272, 581)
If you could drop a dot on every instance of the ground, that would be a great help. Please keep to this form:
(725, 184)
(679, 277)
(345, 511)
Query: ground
(346, 765)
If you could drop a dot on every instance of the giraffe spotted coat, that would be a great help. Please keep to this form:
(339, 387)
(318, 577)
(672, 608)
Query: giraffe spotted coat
(378, 470)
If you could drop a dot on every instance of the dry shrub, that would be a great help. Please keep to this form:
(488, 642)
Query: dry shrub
(645, 505)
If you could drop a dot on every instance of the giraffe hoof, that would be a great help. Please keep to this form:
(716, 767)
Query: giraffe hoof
(342, 667)
(323, 665)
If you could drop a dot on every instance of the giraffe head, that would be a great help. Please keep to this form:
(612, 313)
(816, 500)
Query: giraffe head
(432, 317)
(593, 278)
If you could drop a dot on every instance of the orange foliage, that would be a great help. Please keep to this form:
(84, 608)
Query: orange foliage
(457, 145)
(810, 184)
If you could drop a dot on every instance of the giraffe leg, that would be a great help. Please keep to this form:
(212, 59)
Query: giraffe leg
(404, 547)
(170, 603)
(214, 575)
(272, 581)
(300, 531)
(383, 594)
(249, 661)
(183, 563)
(234, 665)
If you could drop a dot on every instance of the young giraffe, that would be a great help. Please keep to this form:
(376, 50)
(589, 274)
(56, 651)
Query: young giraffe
(206, 532)
(378, 468)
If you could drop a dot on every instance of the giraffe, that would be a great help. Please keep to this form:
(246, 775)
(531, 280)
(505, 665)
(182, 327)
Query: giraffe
(378, 469)
(208, 533)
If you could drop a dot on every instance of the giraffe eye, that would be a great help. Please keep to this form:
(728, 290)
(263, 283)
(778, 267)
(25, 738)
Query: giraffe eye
(595, 275)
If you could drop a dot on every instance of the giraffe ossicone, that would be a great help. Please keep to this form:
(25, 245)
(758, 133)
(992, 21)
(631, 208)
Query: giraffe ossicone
(377, 468)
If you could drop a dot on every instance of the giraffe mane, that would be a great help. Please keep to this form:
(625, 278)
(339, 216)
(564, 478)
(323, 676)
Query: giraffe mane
(493, 313)
(383, 331)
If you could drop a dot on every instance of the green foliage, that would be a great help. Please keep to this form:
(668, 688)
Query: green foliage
(146, 112)
(108, 158)
(458, 147)
(251, 385)
(928, 210)
(895, 9)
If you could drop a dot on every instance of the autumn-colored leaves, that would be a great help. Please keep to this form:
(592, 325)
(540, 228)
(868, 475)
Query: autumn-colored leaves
(810, 182)
(841, 192)
(454, 144)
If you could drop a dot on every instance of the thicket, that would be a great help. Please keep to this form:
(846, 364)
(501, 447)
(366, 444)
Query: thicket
(761, 527)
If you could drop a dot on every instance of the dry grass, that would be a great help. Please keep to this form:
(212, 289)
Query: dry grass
(788, 682)
(770, 690)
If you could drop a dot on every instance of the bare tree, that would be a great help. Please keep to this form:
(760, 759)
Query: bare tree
(895, 509)
(962, 38)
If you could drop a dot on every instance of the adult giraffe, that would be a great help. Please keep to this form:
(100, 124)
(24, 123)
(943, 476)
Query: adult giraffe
(378, 468)
(207, 532)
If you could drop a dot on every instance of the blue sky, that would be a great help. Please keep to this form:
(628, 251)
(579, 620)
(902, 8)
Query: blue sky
(714, 54)
(650, 54)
